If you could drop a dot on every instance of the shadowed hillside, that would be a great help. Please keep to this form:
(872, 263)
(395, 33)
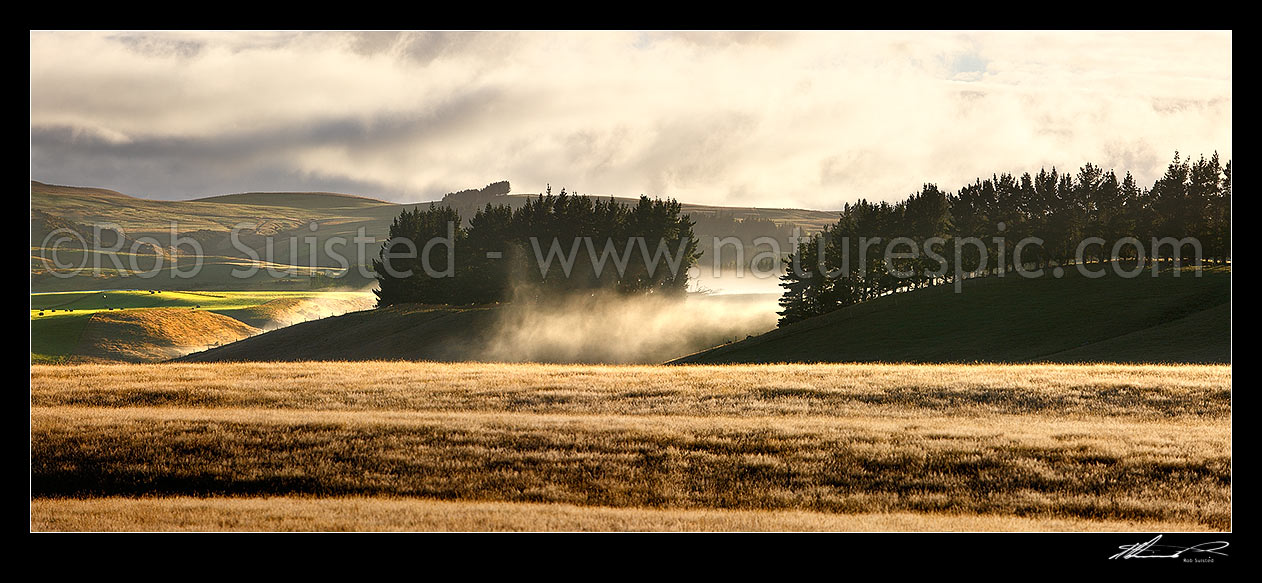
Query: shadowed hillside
(595, 329)
(1012, 319)
(411, 332)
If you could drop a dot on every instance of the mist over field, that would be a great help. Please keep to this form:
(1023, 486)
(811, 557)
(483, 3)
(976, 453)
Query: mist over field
(611, 328)
(287, 312)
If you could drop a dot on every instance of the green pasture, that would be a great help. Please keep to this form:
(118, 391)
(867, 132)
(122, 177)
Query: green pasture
(58, 318)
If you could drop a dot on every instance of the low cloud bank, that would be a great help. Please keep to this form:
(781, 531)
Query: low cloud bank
(615, 329)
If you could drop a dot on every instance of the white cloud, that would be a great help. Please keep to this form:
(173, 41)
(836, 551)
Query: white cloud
(771, 119)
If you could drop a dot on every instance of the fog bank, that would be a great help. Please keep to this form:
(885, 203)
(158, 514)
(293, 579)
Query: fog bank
(611, 328)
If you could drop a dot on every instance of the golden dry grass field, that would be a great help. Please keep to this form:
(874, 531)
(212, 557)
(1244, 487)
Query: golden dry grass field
(469, 446)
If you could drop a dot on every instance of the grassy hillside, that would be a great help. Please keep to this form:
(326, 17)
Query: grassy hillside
(907, 447)
(272, 212)
(146, 325)
(210, 221)
(399, 332)
(156, 334)
(1013, 319)
(43, 188)
(311, 200)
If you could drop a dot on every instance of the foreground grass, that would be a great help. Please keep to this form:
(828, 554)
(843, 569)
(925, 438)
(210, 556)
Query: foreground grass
(1055, 445)
(290, 513)
(1055, 391)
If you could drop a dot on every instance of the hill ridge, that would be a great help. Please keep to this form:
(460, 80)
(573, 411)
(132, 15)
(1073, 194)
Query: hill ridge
(228, 198)
(47, 188)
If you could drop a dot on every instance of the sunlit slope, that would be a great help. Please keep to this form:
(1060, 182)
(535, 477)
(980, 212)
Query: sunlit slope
(156, 333)
(144, 325)
(1013, 319)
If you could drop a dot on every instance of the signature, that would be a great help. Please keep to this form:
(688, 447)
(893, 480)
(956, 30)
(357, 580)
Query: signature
(1152, 550)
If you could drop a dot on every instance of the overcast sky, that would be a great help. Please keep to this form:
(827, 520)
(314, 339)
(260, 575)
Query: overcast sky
(779, 119)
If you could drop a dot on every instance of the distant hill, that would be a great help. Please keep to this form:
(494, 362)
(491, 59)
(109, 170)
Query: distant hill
(75, 190)
(286, 216)
(210, 222)
(321, 200)
(1013, 319)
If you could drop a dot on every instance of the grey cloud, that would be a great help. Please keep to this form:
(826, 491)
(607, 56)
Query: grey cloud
(160, 46)
(1133, 155)
(596, 151)
(697, 150)
(1170, 105)
(373, 42)
(421, 47)
(170, 166)
(182, 176)
(378, 131)
(426, 46)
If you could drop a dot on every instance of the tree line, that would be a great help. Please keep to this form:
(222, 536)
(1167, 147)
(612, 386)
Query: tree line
(1192, 199)
(552, 245)
(468, 201)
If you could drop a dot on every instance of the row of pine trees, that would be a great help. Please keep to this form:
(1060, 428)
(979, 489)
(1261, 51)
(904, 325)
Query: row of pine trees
(1192, 199)
(497, 256)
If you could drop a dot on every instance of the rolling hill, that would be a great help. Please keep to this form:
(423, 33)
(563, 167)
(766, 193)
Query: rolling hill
(156, 334)
(152, 325)
(394, 333)
(310, 200)
(1011, 319)
(287, 219)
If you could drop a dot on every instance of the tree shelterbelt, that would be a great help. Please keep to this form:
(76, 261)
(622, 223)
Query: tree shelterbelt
(550, 246)
(1191, 199)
